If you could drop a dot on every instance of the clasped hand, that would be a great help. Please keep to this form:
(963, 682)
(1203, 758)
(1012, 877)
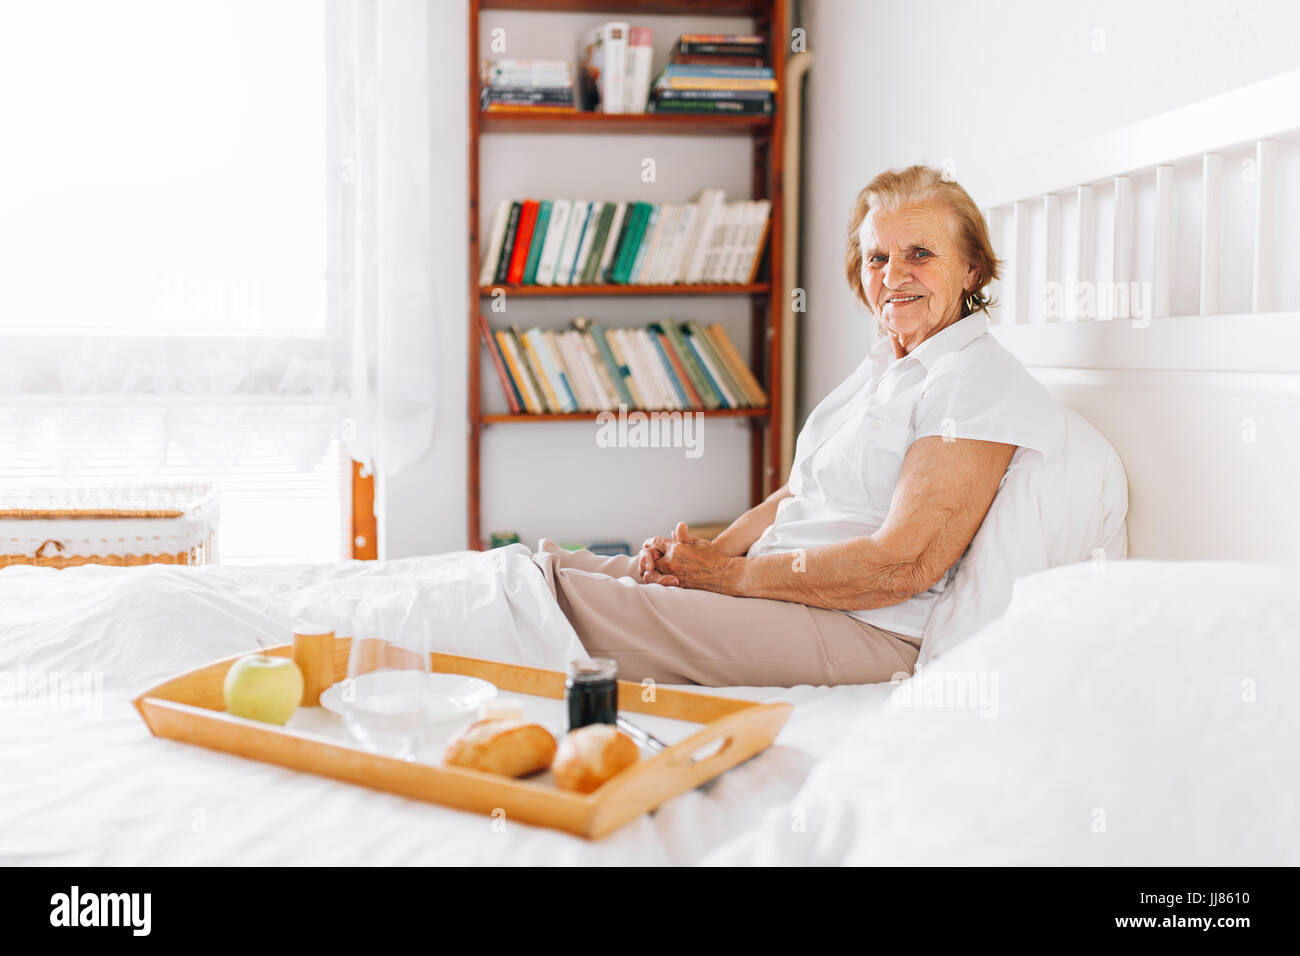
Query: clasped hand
(686, 561)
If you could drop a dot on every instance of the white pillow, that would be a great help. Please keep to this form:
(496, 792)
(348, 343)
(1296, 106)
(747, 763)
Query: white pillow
(1069, 508)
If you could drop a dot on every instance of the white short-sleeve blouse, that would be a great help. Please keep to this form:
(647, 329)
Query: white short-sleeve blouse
(959, 383)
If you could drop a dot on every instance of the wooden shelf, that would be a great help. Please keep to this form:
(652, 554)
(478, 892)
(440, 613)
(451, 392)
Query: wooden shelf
(697, 8)
(566, 291)
(762, 136)
(674, 124)
(509, 419)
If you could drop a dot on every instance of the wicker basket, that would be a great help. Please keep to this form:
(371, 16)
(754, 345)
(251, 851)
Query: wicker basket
(122, 525)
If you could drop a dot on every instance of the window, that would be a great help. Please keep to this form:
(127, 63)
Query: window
(163, 259)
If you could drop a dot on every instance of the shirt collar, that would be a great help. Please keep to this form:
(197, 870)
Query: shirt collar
(956, 336)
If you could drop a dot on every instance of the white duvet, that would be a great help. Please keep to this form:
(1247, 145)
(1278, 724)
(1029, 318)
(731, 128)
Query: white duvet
(89, 785)
(1142, 713)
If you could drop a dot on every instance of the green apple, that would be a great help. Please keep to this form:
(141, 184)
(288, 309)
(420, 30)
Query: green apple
(263, 688)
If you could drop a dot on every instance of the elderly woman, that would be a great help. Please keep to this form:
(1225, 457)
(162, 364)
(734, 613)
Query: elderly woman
(832, 578)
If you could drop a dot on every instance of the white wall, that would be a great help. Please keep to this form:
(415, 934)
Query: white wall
(968, 83)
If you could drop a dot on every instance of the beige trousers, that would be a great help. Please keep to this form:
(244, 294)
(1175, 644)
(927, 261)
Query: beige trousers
(679, 636)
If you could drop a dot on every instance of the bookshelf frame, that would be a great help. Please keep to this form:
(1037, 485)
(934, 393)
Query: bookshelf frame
(771, 18)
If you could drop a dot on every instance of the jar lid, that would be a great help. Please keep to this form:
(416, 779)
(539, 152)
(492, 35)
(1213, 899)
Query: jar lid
(594, 669)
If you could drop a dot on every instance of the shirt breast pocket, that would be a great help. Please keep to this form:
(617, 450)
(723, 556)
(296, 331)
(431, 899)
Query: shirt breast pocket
(885, 445)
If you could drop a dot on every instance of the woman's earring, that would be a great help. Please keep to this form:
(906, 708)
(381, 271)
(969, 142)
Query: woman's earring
(972, 303)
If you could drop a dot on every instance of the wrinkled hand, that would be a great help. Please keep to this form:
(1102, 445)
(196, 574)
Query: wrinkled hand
(684, 560)
(651, 551)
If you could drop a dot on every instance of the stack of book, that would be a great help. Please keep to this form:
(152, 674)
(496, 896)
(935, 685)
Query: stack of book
(542, 86)
(590, 368)
(614, 62)
(576, 242)
(715, 73)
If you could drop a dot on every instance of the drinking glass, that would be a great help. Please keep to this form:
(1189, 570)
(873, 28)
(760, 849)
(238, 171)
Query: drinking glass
(386, 698)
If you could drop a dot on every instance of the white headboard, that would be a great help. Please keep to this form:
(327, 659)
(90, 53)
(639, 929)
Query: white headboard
(1152, 282)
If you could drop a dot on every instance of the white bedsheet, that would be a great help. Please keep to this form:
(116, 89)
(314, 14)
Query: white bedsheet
(92, 786)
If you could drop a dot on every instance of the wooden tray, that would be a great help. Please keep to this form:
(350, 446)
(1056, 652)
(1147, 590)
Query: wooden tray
(189, 708)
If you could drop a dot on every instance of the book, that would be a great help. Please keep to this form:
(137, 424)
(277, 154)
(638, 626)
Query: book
(675, 70)
(673, 269)
(643, 243)
(658, 243)
(592, 268)
(531, 374)
(602, 67)
(492, 249)
(607, 375)
(708, 361)
(526, 95)
(627, 251)
(718, 59)
(711, 209)
(615, 229)
(544, 344)
(531, 108)
(503, 72)
(680, 379)
(760, 228)
(657, 366)
(513, 398)
(749, 38)
(565, 378)
(519, 255)
(571, 363)
(721, 44)
(572, 239)
(584, 250)
(640, 54)
(614, 340)
(610, 259)
(596, 363)
(721, 373)
(757, 96)
(647, 383)
(617, 370)
(718, 107)
(666, 235)
(555, 234)
(542, 371)
(508, 243)
(694, 82)
(727, 351)
(537, 240)
(709, 396)
(518, 372)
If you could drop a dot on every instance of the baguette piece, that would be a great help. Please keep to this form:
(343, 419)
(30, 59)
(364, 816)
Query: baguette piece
(591, 755)
(502, 745)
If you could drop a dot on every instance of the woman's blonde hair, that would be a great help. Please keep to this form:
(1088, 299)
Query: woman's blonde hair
(897, 187)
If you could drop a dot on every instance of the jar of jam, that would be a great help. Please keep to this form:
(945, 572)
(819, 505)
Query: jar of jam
(591, 692)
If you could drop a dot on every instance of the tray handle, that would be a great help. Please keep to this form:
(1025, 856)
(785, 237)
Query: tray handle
(725, 743)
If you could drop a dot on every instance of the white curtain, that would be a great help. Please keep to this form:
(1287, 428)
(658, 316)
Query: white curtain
(175, 321)
(385, 108)
(218, 250)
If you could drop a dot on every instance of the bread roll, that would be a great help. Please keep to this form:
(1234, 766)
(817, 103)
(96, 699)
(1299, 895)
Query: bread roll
(591, 755)
(502, 745)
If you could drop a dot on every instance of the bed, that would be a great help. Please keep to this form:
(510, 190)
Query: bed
(1127, 697)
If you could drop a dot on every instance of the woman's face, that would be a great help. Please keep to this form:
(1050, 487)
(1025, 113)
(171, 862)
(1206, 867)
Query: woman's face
(912, 270)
